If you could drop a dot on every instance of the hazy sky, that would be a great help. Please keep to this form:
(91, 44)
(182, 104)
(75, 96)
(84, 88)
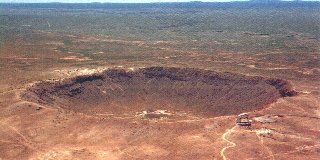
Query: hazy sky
(116, 1)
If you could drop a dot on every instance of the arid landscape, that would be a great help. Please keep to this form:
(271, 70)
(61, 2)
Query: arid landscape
(160, 81)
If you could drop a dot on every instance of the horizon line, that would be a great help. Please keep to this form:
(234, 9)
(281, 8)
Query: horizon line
(228, 1)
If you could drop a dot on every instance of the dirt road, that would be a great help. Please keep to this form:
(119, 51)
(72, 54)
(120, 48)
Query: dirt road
(232, 144)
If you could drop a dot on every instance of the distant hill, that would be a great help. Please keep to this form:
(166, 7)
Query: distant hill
(192, 4)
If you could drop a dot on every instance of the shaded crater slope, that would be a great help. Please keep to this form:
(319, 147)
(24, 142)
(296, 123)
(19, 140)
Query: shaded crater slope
(187, 90)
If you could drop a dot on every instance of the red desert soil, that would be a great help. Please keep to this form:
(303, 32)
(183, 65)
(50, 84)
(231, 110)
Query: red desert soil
(49, 121)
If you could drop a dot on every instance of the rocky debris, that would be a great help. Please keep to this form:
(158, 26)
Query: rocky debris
(76, 58)
(266, 118)
(78, 71)
(39, 108)
(284, 87)
(157, 114)
(265, 132)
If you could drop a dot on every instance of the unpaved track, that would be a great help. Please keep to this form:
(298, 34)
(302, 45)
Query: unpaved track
(224, 137)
